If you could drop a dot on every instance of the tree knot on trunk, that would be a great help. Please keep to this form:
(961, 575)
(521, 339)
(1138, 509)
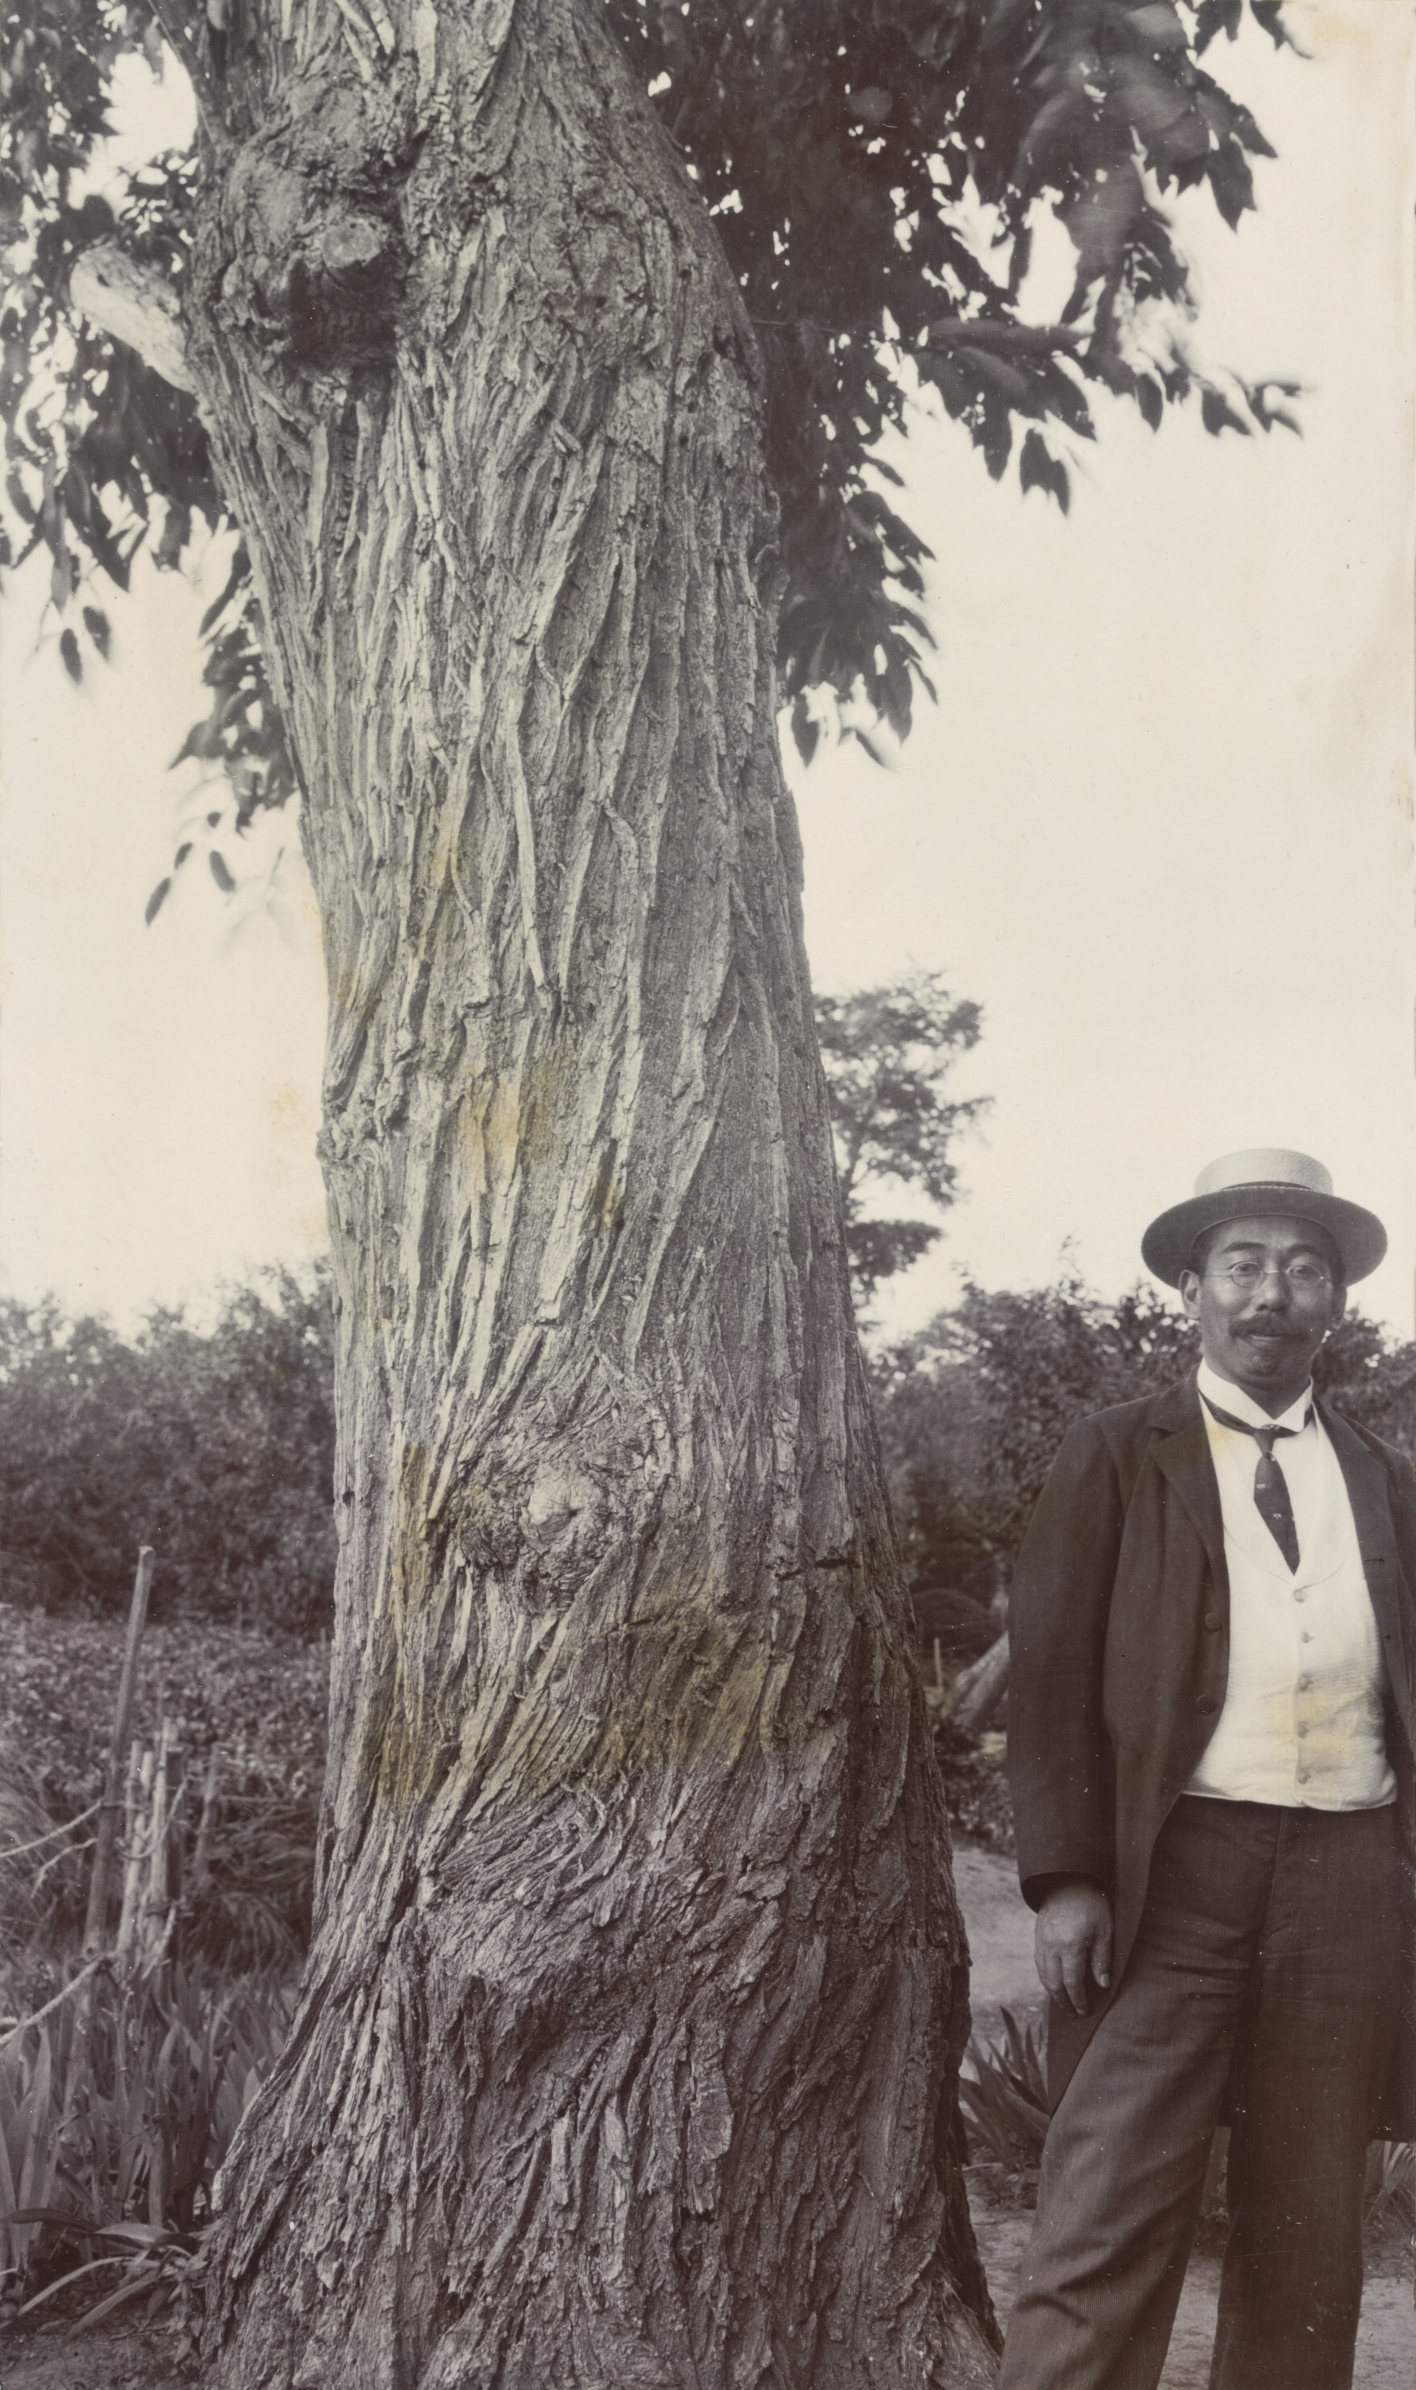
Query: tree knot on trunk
(316, 260)
(541, 1528)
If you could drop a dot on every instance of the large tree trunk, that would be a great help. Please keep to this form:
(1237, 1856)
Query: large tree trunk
(626, 2047)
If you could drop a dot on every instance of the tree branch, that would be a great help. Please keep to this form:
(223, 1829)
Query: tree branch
(985, 332)
(135, 304)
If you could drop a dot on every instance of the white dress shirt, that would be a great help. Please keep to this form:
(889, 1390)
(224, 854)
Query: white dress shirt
(1301, 1726)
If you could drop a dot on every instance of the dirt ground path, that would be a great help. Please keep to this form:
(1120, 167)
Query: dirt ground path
(1000, 1929)
(122, 2356)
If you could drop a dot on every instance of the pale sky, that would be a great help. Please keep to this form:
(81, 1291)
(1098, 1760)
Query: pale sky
(1159, 826)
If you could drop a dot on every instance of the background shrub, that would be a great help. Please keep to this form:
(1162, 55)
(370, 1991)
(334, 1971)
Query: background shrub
(261, 1697)
(216, 1448)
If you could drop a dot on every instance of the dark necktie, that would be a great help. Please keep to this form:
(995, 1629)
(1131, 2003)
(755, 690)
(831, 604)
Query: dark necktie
(1271, 1496)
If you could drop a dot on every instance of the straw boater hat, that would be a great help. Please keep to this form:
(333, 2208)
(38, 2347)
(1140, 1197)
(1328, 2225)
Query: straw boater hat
(1256, 1185)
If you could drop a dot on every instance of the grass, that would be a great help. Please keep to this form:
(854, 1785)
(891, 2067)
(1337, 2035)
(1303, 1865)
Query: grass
(1004, 2098)
(115, 2114)
(1391, 2182)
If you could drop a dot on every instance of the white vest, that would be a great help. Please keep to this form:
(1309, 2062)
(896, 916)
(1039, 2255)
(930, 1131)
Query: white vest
(1302, 1724)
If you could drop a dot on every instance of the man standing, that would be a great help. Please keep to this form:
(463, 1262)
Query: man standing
(1212, 1714)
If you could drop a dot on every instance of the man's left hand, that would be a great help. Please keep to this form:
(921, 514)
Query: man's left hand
(1073, 1941)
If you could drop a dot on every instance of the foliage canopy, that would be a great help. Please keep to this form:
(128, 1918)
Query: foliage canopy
(887, 1052)
(877, 170)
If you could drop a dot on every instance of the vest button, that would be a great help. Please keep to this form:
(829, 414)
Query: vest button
(1206, 1705)
(1214, 1621)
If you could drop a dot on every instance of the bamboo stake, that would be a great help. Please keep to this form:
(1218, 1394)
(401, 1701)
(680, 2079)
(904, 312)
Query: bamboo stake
(139, 1780)
(172, 1869)
(199, 1854)
(95, 1924)
(155, 1906)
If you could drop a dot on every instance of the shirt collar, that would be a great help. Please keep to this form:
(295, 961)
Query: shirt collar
(1243, 1406)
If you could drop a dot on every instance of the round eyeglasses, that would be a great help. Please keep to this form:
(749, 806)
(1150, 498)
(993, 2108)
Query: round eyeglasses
(1300, 1277)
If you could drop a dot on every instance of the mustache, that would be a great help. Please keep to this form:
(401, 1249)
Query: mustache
(1270, 1333)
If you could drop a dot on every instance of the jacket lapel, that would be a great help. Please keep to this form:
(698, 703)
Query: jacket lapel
(1182, 1454)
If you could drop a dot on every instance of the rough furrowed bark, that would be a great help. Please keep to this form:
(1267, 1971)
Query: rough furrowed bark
(626, 2046)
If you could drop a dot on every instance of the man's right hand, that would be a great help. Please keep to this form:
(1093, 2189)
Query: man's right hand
(1074, 1940)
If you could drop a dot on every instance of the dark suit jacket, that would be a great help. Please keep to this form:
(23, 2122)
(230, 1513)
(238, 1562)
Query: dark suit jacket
(1119, 1633)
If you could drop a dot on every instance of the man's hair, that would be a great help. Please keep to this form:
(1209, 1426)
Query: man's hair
(1207, 1239)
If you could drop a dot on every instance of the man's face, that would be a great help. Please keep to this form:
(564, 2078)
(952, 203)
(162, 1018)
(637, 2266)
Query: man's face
(1264, 1302)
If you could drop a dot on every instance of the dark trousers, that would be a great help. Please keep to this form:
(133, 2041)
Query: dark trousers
(1268, 1963)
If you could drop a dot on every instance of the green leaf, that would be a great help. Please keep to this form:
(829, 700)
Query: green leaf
(176, 531)
(805, 731)
(69, 650)
(64, 2281)
(1157, 26)
(1099, 221)
(1231, 181)
(1215, 17)
(240, 570)
(1217, 413)
(15, 490)
(1014, 386)
(60, 2217)
(156, 901)
(1150, 97)
(1039, 469)
(221, 874)
(1269, 14)
(953, 387)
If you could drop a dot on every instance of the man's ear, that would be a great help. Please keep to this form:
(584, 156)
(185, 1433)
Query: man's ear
(1339, 1309)
(1190, 1294)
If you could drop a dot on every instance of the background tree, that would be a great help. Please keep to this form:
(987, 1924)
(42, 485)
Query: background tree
(626, 2040)
(216, 1448)
(886, 1053)
(1366, 1372)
